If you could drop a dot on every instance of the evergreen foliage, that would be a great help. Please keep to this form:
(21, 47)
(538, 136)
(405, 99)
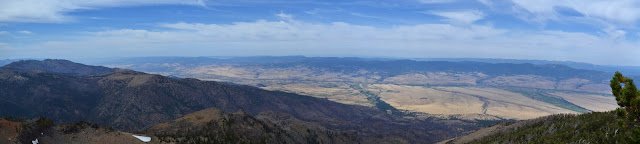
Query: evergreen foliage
(619, 126)
(595, 127)
(29, 130)
(241, 129)
(77, 126)
(627, 96)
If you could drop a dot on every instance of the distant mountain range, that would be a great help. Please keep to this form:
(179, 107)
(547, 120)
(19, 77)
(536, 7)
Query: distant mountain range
(491, 89)
(630, 70)
(133, 101)
(63, 67)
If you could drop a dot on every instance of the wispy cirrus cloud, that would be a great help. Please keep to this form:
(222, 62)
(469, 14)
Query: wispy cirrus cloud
(315, 11)
(460, 16)
(436, 1)
(55, 11)
(625, 11)
(364, 15)
(25, 32)
(614, 18)
(284, 16)
(486, 2)
(587, 31)
(296, 37)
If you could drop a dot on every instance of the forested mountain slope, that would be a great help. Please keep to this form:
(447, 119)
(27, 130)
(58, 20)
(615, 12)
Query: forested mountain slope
(132, 101)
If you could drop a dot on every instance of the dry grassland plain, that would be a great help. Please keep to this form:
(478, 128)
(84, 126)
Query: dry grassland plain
(465, 100)
(590, 101)
(438, 93)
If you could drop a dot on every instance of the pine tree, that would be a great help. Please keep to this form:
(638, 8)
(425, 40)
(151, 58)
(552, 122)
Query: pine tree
(628, 99)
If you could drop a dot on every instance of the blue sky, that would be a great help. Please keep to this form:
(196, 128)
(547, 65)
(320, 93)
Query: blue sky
(593, 31)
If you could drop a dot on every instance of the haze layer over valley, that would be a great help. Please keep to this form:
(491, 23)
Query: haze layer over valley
(468, 90)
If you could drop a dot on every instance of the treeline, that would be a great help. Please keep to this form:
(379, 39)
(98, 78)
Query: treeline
(31, 129)
(619, 126)
(595, 127)
(236, 128)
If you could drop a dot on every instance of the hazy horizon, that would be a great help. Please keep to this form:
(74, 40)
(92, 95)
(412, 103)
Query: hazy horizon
(590, 32)
(88, 59)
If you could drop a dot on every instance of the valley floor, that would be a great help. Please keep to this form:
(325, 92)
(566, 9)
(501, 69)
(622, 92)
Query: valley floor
(466, 102)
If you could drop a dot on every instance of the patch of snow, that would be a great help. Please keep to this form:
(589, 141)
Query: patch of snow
(35, 141)
(143, 138)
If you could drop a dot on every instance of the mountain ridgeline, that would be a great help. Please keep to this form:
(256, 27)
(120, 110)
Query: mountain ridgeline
(63, 67)
(134, 101)
(467, 89)
(374, 70)
(385, 67)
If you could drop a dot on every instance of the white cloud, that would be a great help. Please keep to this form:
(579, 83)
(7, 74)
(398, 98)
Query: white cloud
(56, 10)
(342, 39)
(283, 16)
(621, 11)
(459, 38)
(323, 10)
(464, 16)
(436, 1)
(297, 31)
(24, 32)
(615, 33)
(364, 16)
(486, 2)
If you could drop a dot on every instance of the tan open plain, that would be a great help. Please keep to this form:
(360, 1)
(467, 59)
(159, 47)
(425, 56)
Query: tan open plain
(590, 101)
